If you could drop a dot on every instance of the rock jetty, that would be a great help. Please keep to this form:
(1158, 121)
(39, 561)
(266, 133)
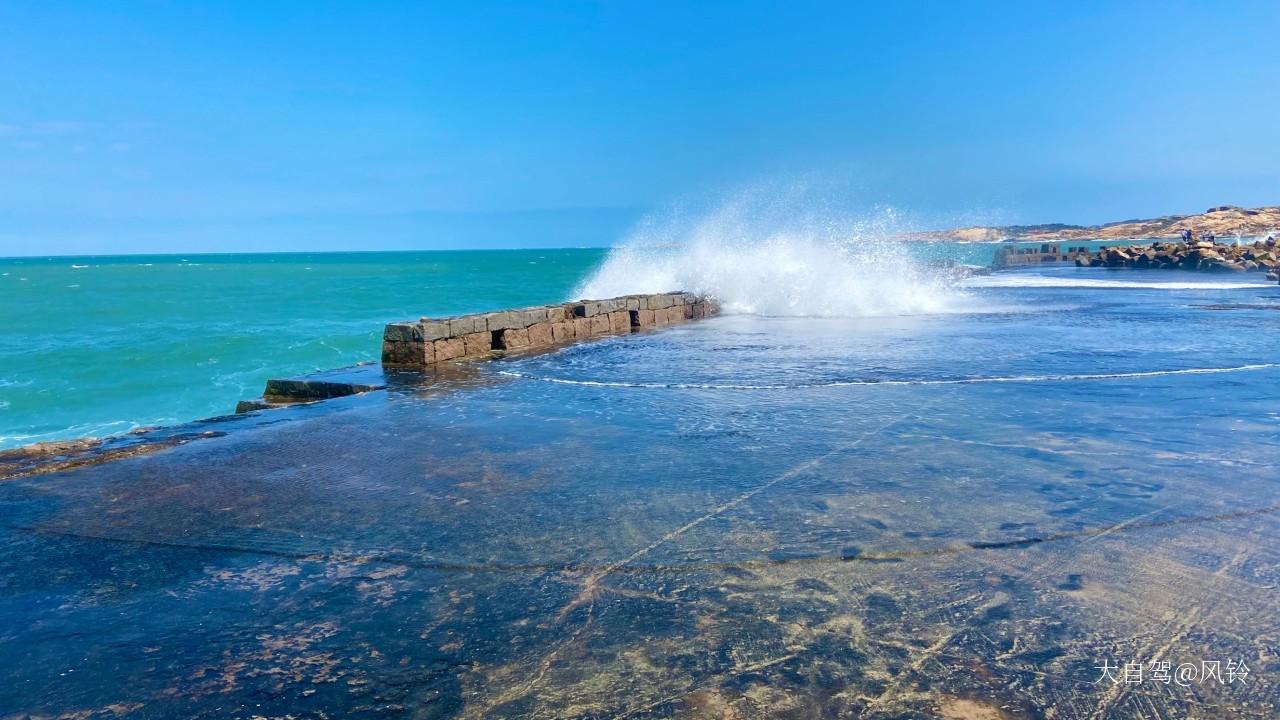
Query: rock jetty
(430, 341)
(1202, 256)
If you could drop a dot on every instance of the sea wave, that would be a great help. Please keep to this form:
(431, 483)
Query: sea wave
(96, 429)
(1042, 281)
(774, 251)
(1065, 377)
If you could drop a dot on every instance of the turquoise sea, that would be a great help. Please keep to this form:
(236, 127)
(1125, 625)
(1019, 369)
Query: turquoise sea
(95, 346)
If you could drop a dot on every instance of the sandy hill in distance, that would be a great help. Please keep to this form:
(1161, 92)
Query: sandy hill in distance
(1222, 221)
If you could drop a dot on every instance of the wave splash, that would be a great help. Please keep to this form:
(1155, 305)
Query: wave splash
(1062, 377)
(772, 253)
(1144, 283)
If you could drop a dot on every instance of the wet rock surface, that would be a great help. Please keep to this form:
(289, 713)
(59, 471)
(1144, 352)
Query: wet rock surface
(511, 548)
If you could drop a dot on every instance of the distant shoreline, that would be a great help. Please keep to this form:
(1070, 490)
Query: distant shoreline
(1222, 221)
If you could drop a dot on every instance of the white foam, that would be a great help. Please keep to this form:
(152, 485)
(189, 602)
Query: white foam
(775, 252)
(998, 280)
(860, 383)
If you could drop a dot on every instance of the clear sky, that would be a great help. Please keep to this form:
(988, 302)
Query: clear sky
(189, 126)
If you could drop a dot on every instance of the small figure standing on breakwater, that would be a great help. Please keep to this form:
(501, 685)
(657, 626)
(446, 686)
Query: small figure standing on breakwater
(1186, 235)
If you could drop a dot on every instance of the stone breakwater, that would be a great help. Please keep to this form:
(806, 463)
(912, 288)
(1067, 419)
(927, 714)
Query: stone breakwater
(1203, 256)
(430, 341)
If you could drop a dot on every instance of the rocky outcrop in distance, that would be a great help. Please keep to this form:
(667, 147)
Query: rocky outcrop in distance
(1221, 221)
(1203, 256)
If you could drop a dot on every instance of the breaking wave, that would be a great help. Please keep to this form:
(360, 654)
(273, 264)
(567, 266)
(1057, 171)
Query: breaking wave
(1040, 281)
(774, 252)
(1063, 377)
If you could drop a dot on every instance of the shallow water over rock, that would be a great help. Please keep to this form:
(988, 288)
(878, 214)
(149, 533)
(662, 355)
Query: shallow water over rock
(958, 516)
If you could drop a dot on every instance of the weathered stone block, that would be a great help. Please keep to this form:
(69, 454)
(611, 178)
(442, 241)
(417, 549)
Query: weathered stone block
(586, 309)
(619, 321)
(562, 331)
(557, 313)
(532, 316)
(633, 302)
(479, 344)
(392, 353)
(660, 302)
(245, 406)
(434, 329)
(397, 353)
(514, 339)
(449, 349)
(500, 321)
(306, 389)
(704, 309)
(599, 325)
(581, 328)
(540, 334)
(464, 325)
(646, 318)
(402, 332)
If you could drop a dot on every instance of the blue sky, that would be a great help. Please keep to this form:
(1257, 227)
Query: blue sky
(187, 126)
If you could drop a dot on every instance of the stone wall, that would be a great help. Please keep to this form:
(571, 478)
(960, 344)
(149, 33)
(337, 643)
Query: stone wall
(431, 340)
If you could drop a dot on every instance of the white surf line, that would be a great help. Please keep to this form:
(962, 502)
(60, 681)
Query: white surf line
(1014, 282)
(859, 383)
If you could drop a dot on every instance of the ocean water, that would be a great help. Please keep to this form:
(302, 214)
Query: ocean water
(93, 346)
(960, 504)
(98, 346)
